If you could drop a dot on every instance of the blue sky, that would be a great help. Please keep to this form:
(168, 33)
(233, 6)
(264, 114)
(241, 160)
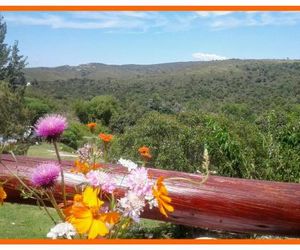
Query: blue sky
(60, 38)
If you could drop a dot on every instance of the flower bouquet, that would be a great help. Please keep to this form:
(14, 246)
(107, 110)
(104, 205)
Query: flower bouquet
(95, 211)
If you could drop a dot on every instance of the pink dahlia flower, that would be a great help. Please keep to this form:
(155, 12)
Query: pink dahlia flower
(51, 126)
(45, 175)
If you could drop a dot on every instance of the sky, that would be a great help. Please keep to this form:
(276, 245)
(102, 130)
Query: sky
(51, 39)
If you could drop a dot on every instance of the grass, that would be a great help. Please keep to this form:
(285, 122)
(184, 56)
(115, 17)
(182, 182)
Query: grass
(24, 221)
(30, 222)
(46, 150)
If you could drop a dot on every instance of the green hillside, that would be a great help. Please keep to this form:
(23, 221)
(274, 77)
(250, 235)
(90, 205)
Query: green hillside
(260, 84)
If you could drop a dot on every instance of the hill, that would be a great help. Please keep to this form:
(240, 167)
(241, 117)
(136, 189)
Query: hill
(258, 84)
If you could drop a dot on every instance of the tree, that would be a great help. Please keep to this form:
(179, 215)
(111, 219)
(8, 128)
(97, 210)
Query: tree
(4, 50)
(101, 108)
(15, 68)
(12, 64)
(14, 115)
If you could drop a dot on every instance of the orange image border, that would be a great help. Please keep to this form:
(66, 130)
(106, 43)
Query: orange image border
(148, 8)
(153, 241)
(150, 241)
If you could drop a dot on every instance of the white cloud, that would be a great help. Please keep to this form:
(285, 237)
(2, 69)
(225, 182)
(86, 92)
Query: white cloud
(208, 57)
(255, 19)
(90, 20)
(127, 21)
(131, 21)
(213, 13)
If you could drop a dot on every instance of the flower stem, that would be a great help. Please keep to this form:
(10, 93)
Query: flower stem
(61, 173)
(105, 153)
(54, 203)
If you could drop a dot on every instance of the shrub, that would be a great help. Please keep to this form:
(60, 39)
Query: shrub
(74, 135)
(37, 108)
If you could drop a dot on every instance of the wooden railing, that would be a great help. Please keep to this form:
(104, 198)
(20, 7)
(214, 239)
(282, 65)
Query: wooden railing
(228, 204)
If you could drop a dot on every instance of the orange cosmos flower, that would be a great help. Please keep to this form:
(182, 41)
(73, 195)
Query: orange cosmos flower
(80, 167)
(85, 214)
(160, 193)
(3, 195)
(106, 138)
(84, 167)
(92, 126)
(145, 152)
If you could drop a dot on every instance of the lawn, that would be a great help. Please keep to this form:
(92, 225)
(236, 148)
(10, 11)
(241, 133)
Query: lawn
(28, 222)
(23, 221)
(46, 150)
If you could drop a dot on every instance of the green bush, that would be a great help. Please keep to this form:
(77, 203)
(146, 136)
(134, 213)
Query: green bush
(237, 149)
(167, 139)
(98, 108)
(37, 108)
(73, 136)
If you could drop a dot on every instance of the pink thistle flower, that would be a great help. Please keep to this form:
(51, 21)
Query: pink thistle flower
(45, 175)
(51, 126)
(101, 179)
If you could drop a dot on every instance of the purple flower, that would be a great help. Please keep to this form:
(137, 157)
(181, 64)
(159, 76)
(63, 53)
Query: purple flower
(101, 179)
(51, 126)
(139, 182)
(45, 175)
(132, 205)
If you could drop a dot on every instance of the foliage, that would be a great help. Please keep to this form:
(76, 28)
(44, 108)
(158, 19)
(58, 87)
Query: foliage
(15, 69)
(12, 64)
(239, 149)
(14, 115)
(168, 140)
(249, 86)
(98, 108)
(4, 50)
(73, 136)
(37, 108)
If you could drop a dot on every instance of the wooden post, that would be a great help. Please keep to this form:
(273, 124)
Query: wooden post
(228, 204)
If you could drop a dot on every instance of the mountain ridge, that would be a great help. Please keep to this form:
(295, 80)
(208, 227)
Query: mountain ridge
(98, 71)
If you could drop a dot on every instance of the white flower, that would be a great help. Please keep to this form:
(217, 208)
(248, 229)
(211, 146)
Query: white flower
(132, 205)
(62, 230)
(152, 202)
(130, 165)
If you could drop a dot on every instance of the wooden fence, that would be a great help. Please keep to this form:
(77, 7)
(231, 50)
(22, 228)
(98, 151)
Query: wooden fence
(228, 204)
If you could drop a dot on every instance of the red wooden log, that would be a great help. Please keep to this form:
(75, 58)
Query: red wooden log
(229, 204)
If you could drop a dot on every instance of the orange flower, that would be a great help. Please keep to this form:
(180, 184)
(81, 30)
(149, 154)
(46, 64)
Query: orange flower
(80, 167)
(3, 195)
(106, 138)
(160, 193)
(92, 126)
(85, 214)
(145, 152)
(84, 167)
(111, 217)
